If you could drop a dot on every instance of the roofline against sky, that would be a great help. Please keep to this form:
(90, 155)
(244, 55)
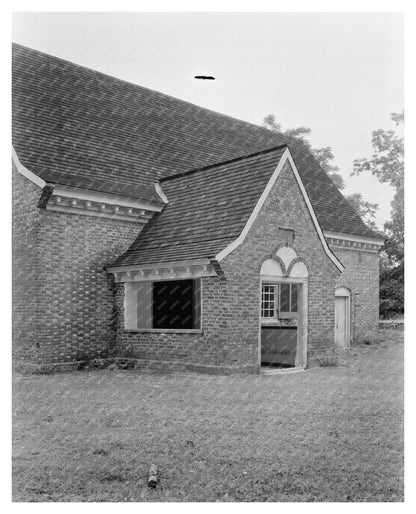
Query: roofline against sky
(237, 242)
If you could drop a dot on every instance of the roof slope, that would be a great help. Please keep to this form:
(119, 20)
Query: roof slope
(207, 210)
(72, 123)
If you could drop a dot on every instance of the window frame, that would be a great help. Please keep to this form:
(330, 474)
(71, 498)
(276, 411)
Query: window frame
(278, 313)
(290, 314)
(269, 300)
(132, 301)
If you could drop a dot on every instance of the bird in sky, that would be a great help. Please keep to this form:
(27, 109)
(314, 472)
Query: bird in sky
(204, 77)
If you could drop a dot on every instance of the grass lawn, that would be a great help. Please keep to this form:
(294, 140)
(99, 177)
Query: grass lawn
(327, 434)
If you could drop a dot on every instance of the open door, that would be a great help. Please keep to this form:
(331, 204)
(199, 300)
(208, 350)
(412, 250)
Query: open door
(283, 324)
(283, 311)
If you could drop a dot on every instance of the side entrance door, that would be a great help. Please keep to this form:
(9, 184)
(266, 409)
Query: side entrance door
(342, 321)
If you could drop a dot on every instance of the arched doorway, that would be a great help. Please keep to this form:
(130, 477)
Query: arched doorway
(283, 311)
(342, 317)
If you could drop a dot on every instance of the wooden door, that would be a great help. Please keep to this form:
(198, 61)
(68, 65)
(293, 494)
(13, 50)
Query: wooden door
(279, 345)
(342, 324)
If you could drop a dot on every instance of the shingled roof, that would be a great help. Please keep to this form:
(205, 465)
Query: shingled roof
(207, 210)
(74, 126)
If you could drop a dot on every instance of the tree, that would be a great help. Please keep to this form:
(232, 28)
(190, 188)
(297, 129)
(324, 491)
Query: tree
(387, 164)
(324, 156)
(387, 161)
(366, 210)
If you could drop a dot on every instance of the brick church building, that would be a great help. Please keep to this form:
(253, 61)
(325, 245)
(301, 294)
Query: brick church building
(150, 230)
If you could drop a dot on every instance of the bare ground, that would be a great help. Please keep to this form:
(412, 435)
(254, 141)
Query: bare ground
(327, 434)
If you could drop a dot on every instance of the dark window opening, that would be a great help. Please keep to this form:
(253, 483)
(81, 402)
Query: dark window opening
(288, 301)
(176, 304)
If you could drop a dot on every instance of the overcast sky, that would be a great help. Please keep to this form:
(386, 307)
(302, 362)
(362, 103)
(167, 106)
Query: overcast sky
(341, 74)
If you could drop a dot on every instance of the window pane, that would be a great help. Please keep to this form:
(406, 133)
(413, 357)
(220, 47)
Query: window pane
(173, 304)
(268, 304)
(294, 299)
(285, 298)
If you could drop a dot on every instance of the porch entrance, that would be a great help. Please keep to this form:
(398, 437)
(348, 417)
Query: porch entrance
(283, 311)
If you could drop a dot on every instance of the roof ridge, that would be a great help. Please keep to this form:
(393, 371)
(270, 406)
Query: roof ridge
(229, 161)
(142, 159)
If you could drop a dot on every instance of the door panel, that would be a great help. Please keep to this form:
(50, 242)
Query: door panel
(341, 321)
(279, 345)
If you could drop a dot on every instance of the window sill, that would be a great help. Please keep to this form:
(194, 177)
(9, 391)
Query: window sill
(279, 323)
(164, 330)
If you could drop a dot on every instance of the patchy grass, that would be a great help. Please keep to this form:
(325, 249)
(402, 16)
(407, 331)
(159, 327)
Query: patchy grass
(328, 434)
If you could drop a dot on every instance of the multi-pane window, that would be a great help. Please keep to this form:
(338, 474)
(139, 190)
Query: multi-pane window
(279, 301)
(268, 301)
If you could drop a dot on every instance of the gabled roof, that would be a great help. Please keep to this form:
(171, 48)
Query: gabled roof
(207, 210)
(211, 211)
(74, 124)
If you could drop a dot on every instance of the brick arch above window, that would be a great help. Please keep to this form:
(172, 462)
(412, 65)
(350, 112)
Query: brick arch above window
(342, 291)
(287, 254)
(298, 269)
(274, 268)
(287, 257)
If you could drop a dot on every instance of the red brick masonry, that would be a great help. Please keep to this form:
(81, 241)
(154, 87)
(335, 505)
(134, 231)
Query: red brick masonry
(67, 309)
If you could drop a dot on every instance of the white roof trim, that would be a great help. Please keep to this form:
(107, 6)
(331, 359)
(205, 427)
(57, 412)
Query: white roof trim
(84, 193)
(160, 192)
(108, 198)
(352, 237)
(25, 172)
(325, 246)
(237, 242)
(178, 270)
(158, 265)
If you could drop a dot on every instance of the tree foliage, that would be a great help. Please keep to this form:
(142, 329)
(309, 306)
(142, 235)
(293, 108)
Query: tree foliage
(387, 164)
(366, 210)
(387, 161)
(323, 155)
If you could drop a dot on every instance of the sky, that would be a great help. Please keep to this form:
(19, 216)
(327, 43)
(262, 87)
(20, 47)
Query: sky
(340, 74)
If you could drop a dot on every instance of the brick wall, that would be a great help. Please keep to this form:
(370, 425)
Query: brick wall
(25, 223)
(230, 307)
(361, 277)
(63, 299)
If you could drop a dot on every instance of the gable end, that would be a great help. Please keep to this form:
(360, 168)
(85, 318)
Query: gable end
(237, 242)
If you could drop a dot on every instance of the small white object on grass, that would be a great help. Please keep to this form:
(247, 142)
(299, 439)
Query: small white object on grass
(153, 475)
